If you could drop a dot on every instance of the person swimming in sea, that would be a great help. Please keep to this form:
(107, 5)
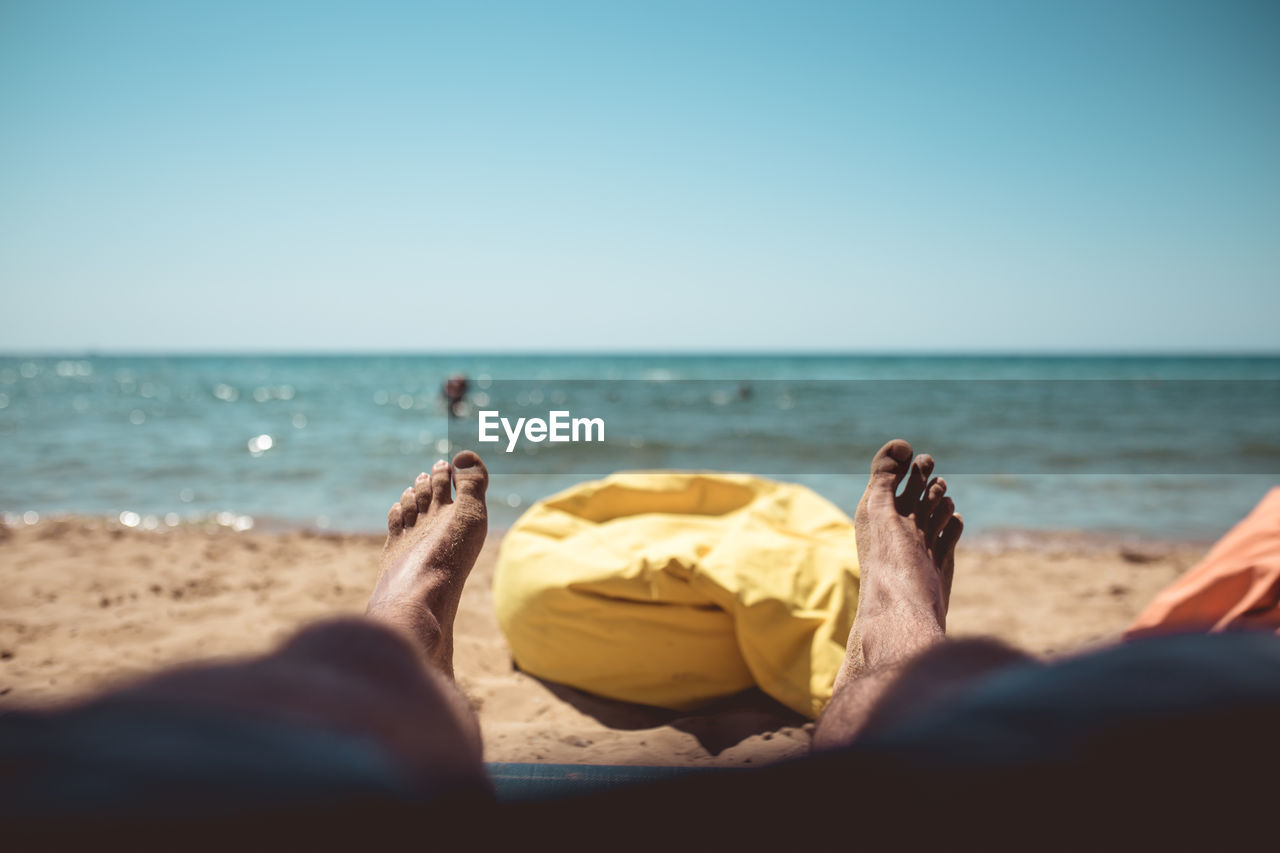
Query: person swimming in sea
(454, 392)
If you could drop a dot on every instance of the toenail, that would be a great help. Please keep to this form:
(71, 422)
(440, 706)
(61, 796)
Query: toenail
(440, 465)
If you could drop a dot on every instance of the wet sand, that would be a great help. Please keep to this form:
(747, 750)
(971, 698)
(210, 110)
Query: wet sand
(85, 603)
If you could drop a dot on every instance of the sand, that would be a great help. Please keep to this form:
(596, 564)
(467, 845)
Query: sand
(86, 603)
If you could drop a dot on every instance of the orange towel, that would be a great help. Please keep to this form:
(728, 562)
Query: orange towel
(1237, 585)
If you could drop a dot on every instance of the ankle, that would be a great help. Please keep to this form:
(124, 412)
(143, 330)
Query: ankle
(896, 633)
(433, 636)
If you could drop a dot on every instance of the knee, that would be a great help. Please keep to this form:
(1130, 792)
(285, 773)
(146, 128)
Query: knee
(376, 680)
(361, 647)
(938, 674)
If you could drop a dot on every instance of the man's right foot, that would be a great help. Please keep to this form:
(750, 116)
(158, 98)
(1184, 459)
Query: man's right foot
(906, 553)
(433, 540)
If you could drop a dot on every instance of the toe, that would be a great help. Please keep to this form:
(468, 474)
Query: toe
(929, 502)
(395, 523)
(440, 492)
(949, 537)
(889, 466)
(422, 492)
(940, 518)
(921, 468)
(408, 507)
(470, 475)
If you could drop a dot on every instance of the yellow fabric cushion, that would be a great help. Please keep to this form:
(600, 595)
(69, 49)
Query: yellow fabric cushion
(674, 588)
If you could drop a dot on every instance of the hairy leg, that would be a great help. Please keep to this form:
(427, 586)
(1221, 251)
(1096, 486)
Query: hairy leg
(387, 676)
(906, 552)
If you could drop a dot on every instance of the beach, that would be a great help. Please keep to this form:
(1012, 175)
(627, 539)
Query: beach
(86, 603)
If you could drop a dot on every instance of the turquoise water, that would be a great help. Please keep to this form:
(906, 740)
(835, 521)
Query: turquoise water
(160, 440)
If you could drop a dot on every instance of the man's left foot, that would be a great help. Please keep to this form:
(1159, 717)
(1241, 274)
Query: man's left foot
(433, 539)
(906, 551)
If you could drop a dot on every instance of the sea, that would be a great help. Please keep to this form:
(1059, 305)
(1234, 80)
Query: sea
(1139, 447)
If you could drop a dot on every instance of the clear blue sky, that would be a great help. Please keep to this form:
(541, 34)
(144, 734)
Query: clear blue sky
(1027, 175)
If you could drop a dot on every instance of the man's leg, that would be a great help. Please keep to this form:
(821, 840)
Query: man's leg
(385, 679)
(433, 542)
(896, 660)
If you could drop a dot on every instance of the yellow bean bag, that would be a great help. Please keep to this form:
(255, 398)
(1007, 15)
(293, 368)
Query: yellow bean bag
(672, 589)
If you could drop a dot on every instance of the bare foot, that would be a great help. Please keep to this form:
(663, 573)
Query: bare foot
(906, 551)
(432, 543)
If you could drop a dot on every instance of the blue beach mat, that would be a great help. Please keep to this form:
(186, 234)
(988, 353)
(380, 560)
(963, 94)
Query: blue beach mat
(518, 782)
